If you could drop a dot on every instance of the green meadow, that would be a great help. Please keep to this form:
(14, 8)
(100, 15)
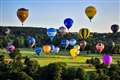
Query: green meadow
(62, 56)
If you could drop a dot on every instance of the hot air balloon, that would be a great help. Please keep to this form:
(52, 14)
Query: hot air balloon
(56, 50)
(74, 52)
(72, 42)
(38, 50)
(90, 12)
(110, 44)
(84, 33)
(31, 41)
(7, 31)
(64, 43)
(83, 44)
(62, 30)
(10, 48)
(22, 14)
(100, 47)
(51, 32)
(77, 47)
(68, 22)
(52, 48)
(46, 49)
(115, 28)
(107, 59)
(78, 53)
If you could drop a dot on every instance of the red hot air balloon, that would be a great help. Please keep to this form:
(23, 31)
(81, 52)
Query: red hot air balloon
(100, 47)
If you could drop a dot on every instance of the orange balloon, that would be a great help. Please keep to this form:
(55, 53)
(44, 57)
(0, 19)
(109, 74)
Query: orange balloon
(46, 49)
(22, 14)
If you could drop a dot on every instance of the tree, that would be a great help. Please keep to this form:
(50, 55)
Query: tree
(80, 74)
(15, 54)
(32, 68)
(70, 74)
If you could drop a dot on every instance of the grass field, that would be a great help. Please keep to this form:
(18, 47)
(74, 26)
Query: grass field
(77, 62)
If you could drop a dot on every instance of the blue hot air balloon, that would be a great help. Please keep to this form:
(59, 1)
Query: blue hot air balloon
(64, 43)
(72, 42)
(31, 41)
(68, 22)
(51, 32)
(38, 50)
(52, 48)
(57, 49)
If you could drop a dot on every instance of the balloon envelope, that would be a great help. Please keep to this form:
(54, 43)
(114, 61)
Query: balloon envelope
(56, 50)
(31, 41)
(68, 22)
(22, 14)
(83, 44)
(46, 49)
(52, 48)
(62, 30)
(51, 32)
(38, 50)
(100, 47)
(65, 43)
(7, 31)
(90, 12)
(115, 28)
(72, 42)
(84, 33)
(107, 59)
(78, 53)
(10, 48)
(73, 52)
(77, 47)
(110, 44)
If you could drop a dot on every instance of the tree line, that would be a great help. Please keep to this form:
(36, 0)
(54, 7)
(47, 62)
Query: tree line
(18, 36)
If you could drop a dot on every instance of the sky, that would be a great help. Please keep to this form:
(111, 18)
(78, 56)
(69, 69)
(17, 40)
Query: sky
(51, 13)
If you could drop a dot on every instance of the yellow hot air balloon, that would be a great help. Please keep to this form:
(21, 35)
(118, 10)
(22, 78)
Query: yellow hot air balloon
(77, 47)
(22, 14)
(90, 12)
(84, 33)
(74, 52)
(46, 49)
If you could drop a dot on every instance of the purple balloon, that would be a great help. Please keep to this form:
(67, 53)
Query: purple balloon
(107, 59)
(115, 28)
(10, 48)
(62, 30)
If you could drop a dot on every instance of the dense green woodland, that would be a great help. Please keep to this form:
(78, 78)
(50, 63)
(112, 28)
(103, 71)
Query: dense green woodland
(19, 68)
(18, 36)
(29, 69)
